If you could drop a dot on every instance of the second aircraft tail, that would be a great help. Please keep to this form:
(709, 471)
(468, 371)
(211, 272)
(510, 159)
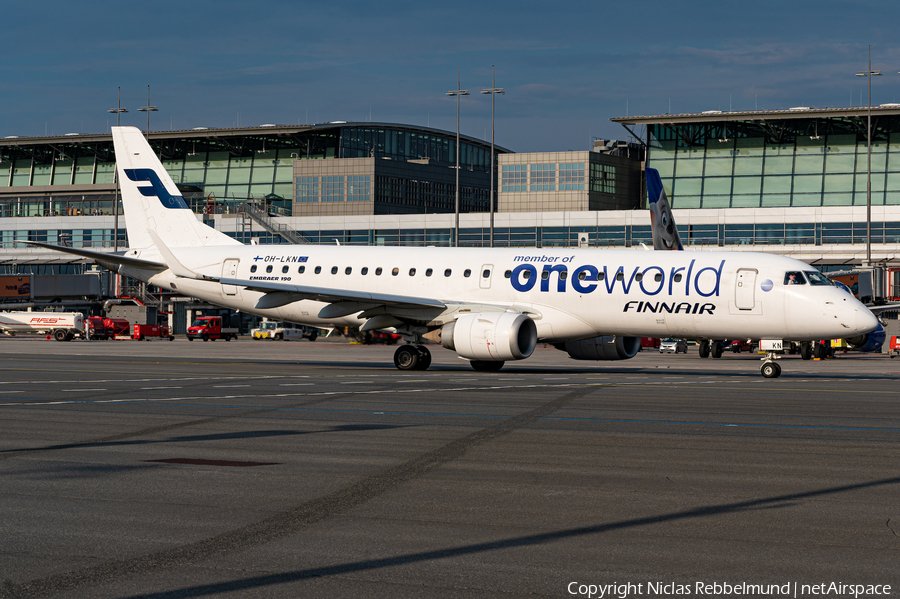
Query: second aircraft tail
(662, 223)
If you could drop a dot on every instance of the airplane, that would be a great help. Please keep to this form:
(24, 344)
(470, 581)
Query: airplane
(490, 306)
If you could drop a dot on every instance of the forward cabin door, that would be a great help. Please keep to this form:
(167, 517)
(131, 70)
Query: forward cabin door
(229, 271)
(745, 289)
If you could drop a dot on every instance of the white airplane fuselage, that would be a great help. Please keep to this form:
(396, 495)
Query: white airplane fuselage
(569, 293)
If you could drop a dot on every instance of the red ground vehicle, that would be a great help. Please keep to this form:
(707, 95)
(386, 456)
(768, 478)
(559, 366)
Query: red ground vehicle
(142, 331)
(737, 346)
(106, 328)
(649, 343)
(210, 327)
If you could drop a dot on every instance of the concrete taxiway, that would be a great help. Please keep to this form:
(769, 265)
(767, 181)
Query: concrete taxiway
(272, 469)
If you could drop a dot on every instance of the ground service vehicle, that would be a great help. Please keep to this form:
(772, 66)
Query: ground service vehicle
(673, 346)
(143, 331)
(98, 327)
(210, 327)
(284, 331)
(488, 305)
(62, 326)
(738, 345)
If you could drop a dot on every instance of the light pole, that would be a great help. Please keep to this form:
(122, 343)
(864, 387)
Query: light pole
(148, 109)
(118, 110)
(493, 91)
(457, 92)
(869, 73)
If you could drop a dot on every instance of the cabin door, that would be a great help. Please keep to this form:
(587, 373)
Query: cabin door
(229, 271)
(745, 289)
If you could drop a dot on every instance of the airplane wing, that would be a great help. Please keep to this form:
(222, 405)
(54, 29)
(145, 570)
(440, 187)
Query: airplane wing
(280, 294)
(876, 310)
(103, 258)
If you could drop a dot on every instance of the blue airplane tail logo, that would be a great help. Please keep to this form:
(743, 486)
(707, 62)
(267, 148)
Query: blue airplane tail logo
(662, 223)
(156, 187)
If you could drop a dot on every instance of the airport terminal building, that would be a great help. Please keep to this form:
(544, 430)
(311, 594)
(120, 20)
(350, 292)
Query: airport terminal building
(791, 182)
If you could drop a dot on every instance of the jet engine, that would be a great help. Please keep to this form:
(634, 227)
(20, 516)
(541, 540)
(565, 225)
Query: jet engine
(606, 347)
(491, 336)
(869, 342)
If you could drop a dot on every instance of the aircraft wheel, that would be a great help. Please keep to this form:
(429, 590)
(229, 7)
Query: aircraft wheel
(820, 351)
(717, 350)
(406, 357)
(424, 358)
(482, 366)
(314, 335)
(770, 370)
(806, 351)
(704, 349)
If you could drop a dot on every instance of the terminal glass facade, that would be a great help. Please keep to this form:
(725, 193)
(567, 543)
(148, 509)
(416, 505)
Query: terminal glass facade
(798, 163)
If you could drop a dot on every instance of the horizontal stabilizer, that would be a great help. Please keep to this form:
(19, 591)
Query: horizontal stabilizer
(102, 257)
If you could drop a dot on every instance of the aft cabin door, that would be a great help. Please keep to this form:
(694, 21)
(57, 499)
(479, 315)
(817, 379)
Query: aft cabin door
(487, 271)
(745, 289)
(229, 271)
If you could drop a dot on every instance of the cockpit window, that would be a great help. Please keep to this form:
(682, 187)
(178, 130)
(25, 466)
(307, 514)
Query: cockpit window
(794, 278)
(817, 278)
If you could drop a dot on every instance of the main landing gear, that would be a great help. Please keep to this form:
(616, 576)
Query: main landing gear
(715, 348)
(412, 357)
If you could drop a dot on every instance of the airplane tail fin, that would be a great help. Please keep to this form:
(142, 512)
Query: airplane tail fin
(151, 200)
(662, 223)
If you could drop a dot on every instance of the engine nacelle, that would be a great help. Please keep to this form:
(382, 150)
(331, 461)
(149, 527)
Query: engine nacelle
(869, 342)
(491, 336)
(607, 347)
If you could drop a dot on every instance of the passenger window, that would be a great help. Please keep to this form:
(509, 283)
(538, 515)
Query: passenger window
(563, 275)
(486, 274)
(794, 278)
(620, 275)
(428, 272)
(526, 274)
(677, 278)
(284, 269)
(318, 269)
(253, 268)
(378, 272)
(448, 272)
(348, 270)
(334, 270)
(639, 277)
(601, 276)
(582, 275)
(508, 274)
(269, 268)
(365, 270)
(467, 273)
(301, 270)
(545, 275)
(657, 277)
(412, 272)
(395, 271)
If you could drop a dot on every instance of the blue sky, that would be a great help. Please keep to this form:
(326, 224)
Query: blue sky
(567, 67)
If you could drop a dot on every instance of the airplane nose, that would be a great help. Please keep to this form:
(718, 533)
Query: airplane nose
(865, 320)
